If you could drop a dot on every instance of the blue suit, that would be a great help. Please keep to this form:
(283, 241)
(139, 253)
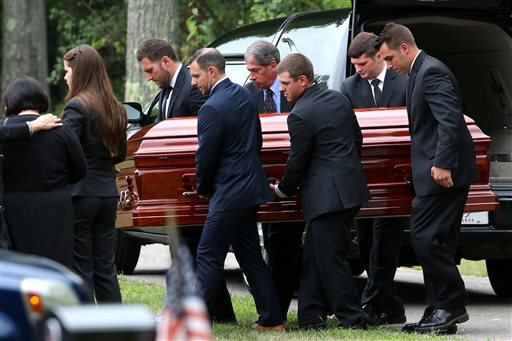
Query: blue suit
(229, 171)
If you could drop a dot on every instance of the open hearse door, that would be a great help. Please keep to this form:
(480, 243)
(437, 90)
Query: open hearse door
(474, 39)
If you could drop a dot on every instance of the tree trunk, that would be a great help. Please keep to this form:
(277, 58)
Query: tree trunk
(146, 19)
(24, 41)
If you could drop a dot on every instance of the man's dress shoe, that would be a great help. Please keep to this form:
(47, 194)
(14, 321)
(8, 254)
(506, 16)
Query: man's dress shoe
(409, 327)
(259, 328)
(359, 324)
(442, 321)
(313, 326)
(375, 319)
(385, 318)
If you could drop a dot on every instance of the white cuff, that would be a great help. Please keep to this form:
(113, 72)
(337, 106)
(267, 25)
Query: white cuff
(279, 193)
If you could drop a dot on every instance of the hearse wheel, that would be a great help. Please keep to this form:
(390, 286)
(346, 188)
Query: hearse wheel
(127, 253)
(500, 276)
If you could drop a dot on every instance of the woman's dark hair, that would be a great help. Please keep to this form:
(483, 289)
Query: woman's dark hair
(91, 86)
(25, 93)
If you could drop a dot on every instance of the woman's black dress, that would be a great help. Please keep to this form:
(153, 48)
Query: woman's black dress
(38, 206)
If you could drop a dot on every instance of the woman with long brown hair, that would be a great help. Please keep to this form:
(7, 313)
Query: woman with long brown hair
(99, 120)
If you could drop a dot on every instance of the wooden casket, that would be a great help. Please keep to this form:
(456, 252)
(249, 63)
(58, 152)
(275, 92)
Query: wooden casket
(157, 180)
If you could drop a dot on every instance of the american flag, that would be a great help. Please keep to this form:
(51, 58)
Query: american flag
(185, 316)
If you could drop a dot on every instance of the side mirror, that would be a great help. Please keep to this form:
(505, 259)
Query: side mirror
(133, 111)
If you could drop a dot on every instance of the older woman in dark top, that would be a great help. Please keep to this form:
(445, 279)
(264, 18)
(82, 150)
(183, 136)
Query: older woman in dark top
(23, 131)
(37, 171)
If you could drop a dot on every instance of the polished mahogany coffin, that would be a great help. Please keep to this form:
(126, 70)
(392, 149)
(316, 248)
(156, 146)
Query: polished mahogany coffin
(157, 181)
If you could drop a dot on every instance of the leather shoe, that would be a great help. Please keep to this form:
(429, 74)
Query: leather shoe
(370, 314)
(375, 319)
(259, 328)
(428, 311)
(440, 321)
(313, 326)
(385, 318)
(359, 324)
(409, 327)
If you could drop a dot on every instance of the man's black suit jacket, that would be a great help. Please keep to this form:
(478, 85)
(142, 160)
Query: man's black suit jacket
(185, 100)
(360, 94)
(258, 95)
(439, 134)
(323, 156)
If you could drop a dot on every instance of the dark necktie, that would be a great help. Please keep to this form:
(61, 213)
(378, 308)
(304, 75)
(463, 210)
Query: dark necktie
(376, 91)
(164, 96)
(270, 105)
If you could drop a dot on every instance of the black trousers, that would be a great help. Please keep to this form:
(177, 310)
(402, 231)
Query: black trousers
(434, 231)
(236, 228)
(222, 310)
(95, 245)
(283, 243)
(379, 244)
(326, 283)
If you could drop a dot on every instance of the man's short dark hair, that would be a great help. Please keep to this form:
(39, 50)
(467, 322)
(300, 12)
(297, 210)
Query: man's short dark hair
(208, 56)
(297, 64)
(363, 43)
(394, 35)
(263, 51)
(25, 93)
(155, 49)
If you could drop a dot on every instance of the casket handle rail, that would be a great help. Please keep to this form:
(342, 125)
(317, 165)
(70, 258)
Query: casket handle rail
(128, 197)
(403, 172)
(189, 185)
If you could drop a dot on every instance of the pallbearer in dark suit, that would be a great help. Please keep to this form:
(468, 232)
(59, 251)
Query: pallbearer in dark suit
(261, 59)
(443, 167)
(282, 240)
(379, 238)
(160, 63)
(229, 173)
(179, 98)
(324, 161)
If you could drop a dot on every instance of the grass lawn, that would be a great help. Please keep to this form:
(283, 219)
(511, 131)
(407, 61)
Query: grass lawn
(153, 296)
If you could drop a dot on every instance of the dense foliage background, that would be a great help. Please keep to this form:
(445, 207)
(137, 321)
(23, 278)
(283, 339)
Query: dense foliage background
(34, 38)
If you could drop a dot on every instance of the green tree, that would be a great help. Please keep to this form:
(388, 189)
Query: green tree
(99, 23)
(24, 41)
(207, 19)
(147, 19)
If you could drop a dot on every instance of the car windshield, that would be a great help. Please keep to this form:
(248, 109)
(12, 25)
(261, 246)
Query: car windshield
(318, 35)
(321, 36)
